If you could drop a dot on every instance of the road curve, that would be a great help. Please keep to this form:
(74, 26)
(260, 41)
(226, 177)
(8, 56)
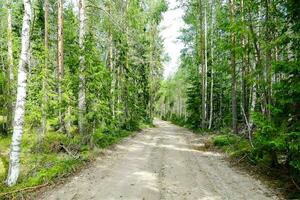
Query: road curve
(160, 163)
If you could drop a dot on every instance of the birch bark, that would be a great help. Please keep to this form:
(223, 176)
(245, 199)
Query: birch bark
(81, 94)
(14, 164)
(204, 71)
(212, 65)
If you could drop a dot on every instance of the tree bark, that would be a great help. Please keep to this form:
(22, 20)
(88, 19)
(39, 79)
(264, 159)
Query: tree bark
(268, 95)
(204, 100)
(212, 65)
(81, 95)
(14, 165)
(233, 71)
(46, 52)
(203, 57)
(60, 60)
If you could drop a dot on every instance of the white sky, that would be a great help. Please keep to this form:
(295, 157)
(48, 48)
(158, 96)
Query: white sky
(171, 24)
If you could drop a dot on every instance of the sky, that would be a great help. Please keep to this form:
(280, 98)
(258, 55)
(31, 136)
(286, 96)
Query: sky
(171, 24)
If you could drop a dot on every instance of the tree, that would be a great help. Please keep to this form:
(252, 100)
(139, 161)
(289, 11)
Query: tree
(81, 97)
(233, 71)
(14, 165)
(60, 60)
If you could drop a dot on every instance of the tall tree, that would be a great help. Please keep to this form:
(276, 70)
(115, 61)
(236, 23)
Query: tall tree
(212, 35)
(46, 62)
(81, 95)
(60, 60)
(233, 71)
(14, 162)
(203, 59)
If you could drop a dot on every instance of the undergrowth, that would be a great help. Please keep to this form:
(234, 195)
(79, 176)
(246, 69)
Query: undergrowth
(57, 156)
(273, 153)
(242, 153)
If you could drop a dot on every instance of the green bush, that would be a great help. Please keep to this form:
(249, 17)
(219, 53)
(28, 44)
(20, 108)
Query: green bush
(103, 140)
(59, 168)
(52, 143)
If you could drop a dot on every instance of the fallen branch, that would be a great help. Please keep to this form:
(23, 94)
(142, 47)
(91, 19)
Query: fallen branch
(69, 152)
(24, 189)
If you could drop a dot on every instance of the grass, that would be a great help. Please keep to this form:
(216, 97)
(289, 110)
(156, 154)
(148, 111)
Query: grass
(49, 162)
(233, 145)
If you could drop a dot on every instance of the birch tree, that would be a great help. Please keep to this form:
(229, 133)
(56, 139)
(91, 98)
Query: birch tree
(14, 160)
(212, 35)
(81, 95)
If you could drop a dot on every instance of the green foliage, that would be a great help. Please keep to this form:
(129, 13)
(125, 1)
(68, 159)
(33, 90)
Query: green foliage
(104, 139)
(224, 140)
(252, 52)
(58, 169)
(51, 143)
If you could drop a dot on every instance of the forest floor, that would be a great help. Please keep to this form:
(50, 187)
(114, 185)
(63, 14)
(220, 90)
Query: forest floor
(165, 162)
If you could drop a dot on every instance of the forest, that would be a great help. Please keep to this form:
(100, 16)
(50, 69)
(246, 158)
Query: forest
(74, 75)
(77, 76)
(239, 74)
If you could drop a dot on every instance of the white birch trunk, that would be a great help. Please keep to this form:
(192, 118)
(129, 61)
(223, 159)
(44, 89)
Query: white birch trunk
(81, 95)
(14, 165)
(212, 67)
(205, 57)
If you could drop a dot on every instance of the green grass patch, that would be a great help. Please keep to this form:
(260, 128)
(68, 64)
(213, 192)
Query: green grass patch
(104, 140)
(233, 145)
(224, 140)
(4, 143)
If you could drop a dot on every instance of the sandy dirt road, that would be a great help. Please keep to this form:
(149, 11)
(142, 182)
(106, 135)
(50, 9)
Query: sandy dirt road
(160, 163)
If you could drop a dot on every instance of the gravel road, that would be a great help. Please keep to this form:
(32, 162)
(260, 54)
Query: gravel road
(160, 163)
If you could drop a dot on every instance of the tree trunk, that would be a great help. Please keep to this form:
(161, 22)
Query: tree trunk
(60, 60)
(268, 95)
(233, 76)
(203, 57)
(44, 83)
(81, 95)
(204, 108)
(212, 67)
(113, 79)
(243, 66)
(14, 165)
